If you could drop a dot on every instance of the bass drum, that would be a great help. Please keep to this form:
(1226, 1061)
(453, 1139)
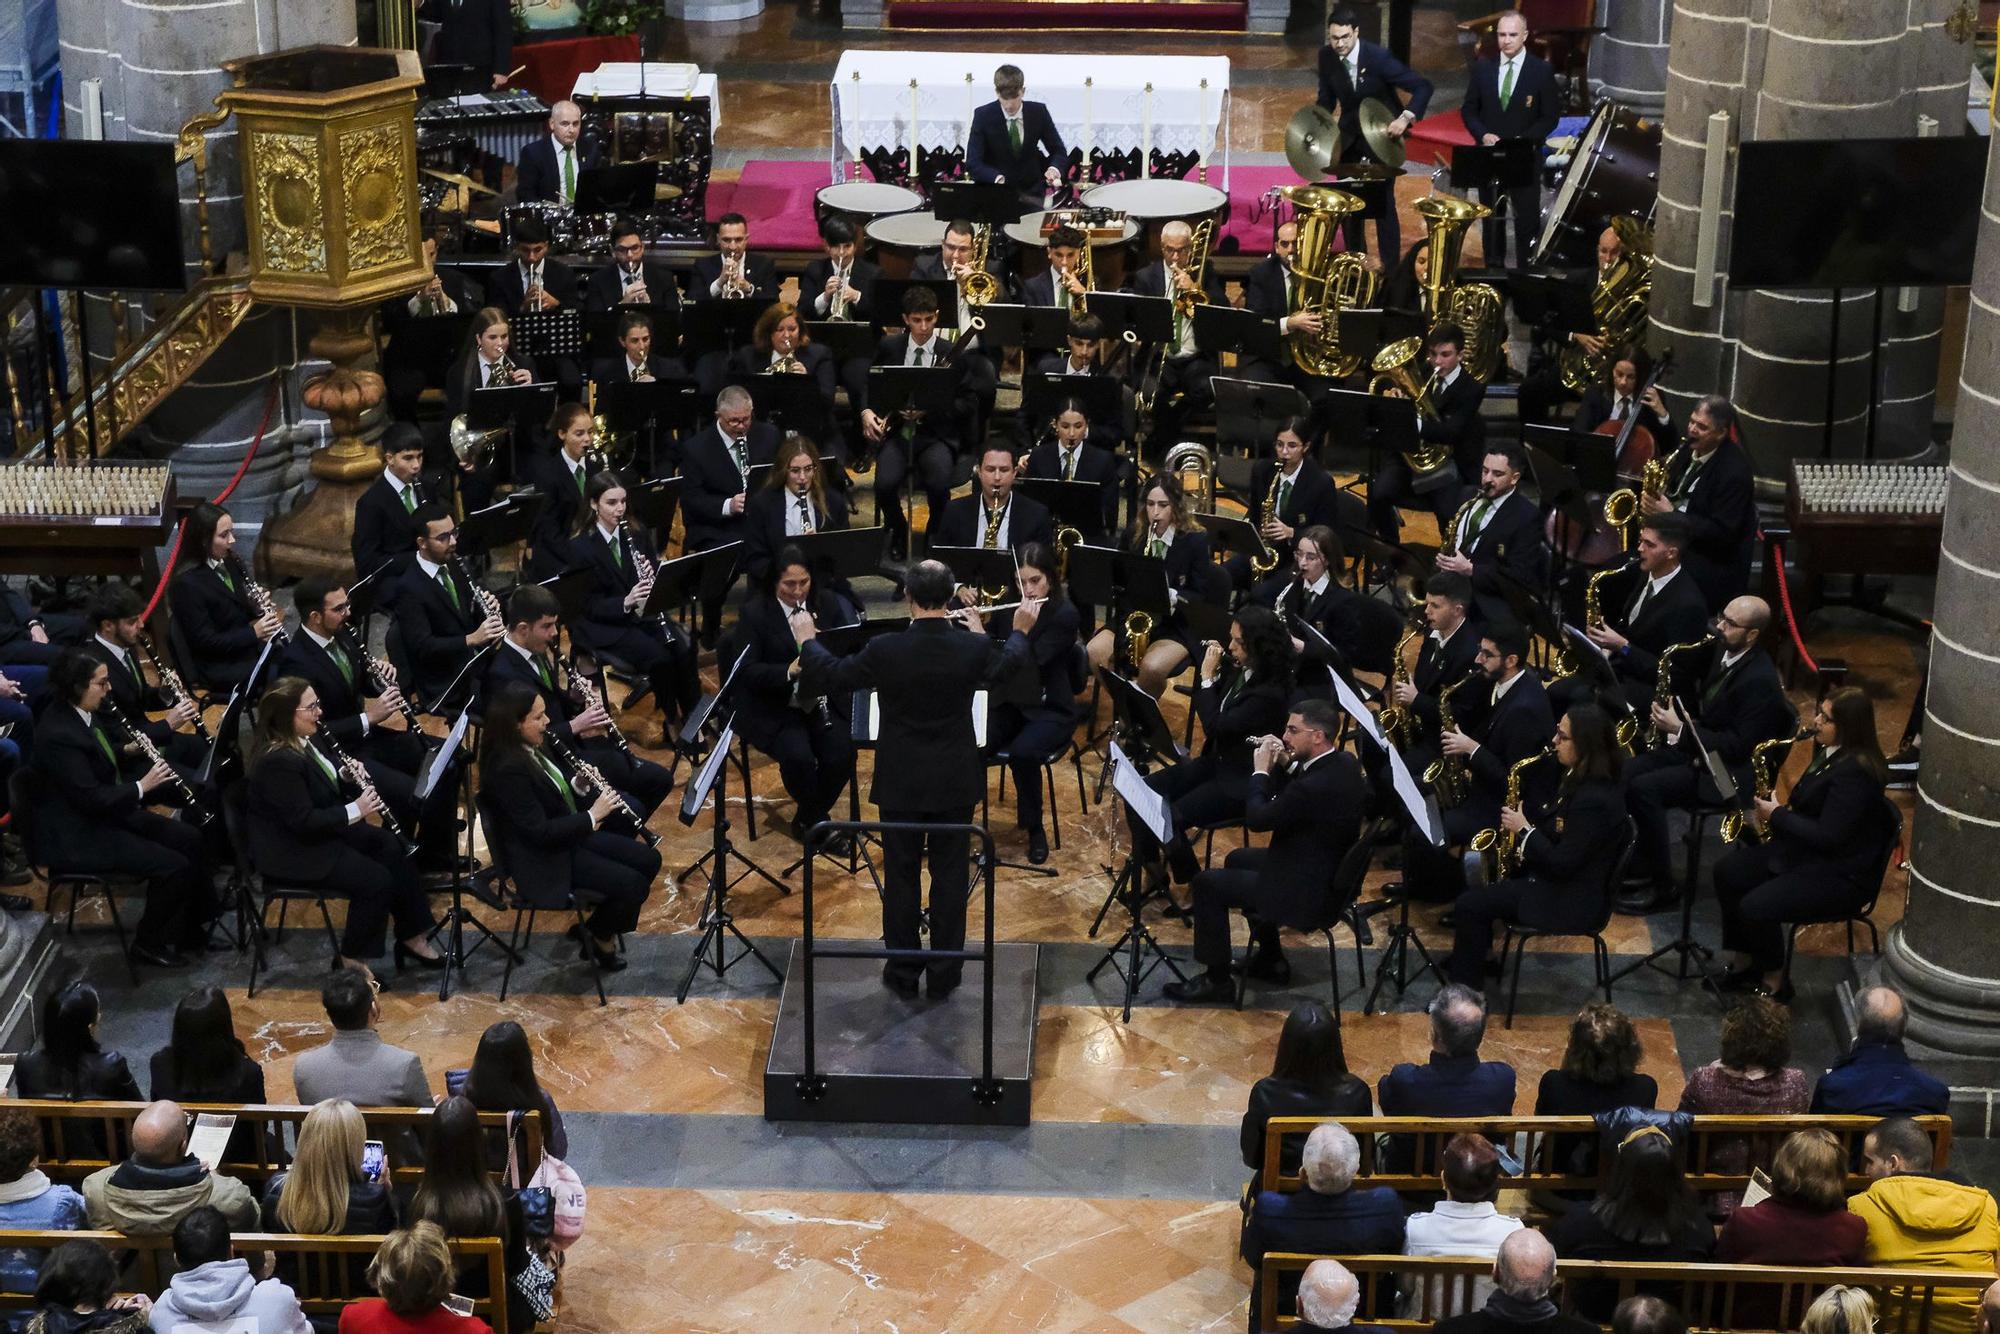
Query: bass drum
(1615, 169)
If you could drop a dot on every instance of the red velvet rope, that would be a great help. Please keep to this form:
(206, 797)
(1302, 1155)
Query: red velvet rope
(1791, 618)
(174, 551)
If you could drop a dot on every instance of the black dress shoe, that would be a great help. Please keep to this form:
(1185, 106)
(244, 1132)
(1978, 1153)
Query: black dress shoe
(906, 987)
(1741, 979)
(608, 962)
(1038, 846)
(937, 988)
(158, 956)
(1782, 993)
(1644, 902)
(1268, 968)
(1204, 990)
(405, 956)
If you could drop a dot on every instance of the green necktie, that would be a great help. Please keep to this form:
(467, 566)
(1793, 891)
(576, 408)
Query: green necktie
(1687, 479)
(132, 666)
(227, 581)
(617, 551)
(555, 776)
(569, 168)
(1158, 549)
(581, 485)
(339, 656)
(1472, 522)
(542, 670)
(1507, 86)
(409, 500)
(324, 767)
(450, 589)
(1014, 133)
(1284, 499)
(104, 744)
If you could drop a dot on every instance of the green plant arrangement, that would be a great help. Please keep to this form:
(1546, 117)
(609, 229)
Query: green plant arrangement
(612, 18)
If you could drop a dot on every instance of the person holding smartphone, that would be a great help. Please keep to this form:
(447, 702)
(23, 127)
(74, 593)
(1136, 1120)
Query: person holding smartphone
(329, 1189)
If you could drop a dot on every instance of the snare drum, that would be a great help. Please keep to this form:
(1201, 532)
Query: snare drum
(900, 236)
(554, 216)
(1155, 203)
(860, 202)
(1615, 169)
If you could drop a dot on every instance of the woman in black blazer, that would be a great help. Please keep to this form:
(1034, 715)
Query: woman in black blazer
(1309, 1077)
(552, 837)
(209, 597)
(1566, 855)
(479, 367)
(1319, 596)
(1825, 844)
(1166, 528)
(204, 1061)
(794, 502)
(70, 1066)
(1032, 734)
(623, 562)
(304, 829)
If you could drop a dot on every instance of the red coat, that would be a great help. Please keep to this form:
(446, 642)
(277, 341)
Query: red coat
(1778, 1232)
(373, 1316)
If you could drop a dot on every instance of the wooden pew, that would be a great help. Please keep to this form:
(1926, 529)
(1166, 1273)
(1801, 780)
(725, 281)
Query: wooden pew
(1706, 1294)
(1538, 1134)
(323, 1281)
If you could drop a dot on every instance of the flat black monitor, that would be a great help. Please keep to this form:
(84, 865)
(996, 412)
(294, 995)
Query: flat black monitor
(1829, 213)
(91, 214)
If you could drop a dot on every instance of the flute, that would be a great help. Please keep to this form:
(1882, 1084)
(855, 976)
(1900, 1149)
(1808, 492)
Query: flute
(357, 774)
(153, 756)
(584, 769)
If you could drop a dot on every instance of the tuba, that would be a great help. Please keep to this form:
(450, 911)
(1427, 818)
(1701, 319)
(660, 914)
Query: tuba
(1325, 281)
(1477, 308)
(1191, 456)
(1431, 463)
(1619, 303)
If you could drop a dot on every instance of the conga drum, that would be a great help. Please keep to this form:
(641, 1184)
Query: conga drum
(900, 236)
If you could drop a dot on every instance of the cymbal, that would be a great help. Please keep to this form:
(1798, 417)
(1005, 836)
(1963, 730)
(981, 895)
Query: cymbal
(1388, 149)
(463, 182)
(1312, 141)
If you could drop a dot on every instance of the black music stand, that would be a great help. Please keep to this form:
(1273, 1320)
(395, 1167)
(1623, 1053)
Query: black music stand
(430, 343)
(555, 332)
(1247, 412)
(1219, 329)
(1138, 716)
(1078, 505)
(1562, 493)
(847, 340)
(519, 407)
(841, 641)
(719, 324)
(711, 777)
(700, 574)
(883, 300)
(1042, 393)
(843, 552)
(1556, 304)
(1123, 582)
(1233, 535)
(652, 504)
(459, 917)
(501, 524)
(651, 406)
(927, 389)
(1135, 319)
(979, 569)
(623, 187)
(793, 402)
(1511, 164)
(975, 201)
(1040, 328)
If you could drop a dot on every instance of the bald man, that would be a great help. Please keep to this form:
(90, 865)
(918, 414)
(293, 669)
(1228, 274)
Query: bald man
(1729, 697)
(1183, 384)
(1989, 1310)
(550, 167)
(161, 1183)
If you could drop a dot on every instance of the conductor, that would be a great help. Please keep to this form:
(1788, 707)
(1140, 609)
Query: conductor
(927, 766)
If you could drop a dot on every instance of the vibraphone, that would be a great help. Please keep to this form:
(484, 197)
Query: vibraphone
(1862, 519)
(452, 131)
(85, 518)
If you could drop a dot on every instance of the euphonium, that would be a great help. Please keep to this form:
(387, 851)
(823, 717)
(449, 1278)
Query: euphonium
(1197, 269)
(1446, 774)
(1663, 680)
(1396, 720)
(1138, 636)
(1191, 456)
(1622, 507)
(1325, 281)
(1431, 463)
(1619, 303)
(1477, 308)
(1766, 758)
(976, 286)
(1266, 560)
(1500, 847)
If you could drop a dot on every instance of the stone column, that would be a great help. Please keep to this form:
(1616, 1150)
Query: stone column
(160, 63)
(1628, 61)
(1941, 954)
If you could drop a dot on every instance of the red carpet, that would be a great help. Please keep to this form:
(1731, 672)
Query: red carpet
(1110, 15)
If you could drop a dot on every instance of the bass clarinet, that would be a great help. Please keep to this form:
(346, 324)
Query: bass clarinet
(581, 768)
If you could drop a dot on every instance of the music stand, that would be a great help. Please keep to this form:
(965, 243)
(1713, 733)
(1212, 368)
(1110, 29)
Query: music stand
(719, 324)
(1136, 319)
(1247, 412)
(571, 589)
(847, 340)
(1219, 329)
(1556, 303)
(700, 574)
(976, 202)
(883, 301)
(555, 332)
(515, 406)
(979, 569)
(1142, 953)
(845, 553)
(653, 503)
(1010, 324)
(1360, 331)
(649, 406)
(712, 777)
(1042, 393)
(623, 187)
(501, 524)
(792, 401)
(1511, 164)
(1078, 505)
(1233, 535)
(458, 916)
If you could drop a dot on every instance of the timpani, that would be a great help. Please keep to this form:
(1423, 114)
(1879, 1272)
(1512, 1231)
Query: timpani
(1155, 203)
(861, 202)
(899, 237)
(1107, 253)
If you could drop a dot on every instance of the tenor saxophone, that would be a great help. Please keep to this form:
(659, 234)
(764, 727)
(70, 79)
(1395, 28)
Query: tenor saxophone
(1397, 721)
(1499, 846)
(1766, 758)
(1266, 560)
(1446, 774)
(1138, 636)
(1663, 680)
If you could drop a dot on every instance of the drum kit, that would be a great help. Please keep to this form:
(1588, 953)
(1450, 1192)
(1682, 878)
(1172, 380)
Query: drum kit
(1614, 170)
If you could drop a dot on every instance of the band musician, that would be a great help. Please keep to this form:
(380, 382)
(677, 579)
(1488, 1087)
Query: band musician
(439, 620)
(113, 614)
(1166, 531)
(1512, 96)
(1288, 491)
(715, 483)
(1497, 534)
(1013, 141)
(794, 502)
(733, 273)
(914, 439)
(1454, 423)
(534, 281)
(383, 531)
(631, 279)
(833, 286)
(992, 517)
(1351, 72)
(212, 599)
(1715, 488)
(549, 166)
(1449, 650)
(1068, 455)
(1644, 614)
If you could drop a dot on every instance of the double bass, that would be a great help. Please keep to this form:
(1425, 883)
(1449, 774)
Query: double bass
(1632, 446)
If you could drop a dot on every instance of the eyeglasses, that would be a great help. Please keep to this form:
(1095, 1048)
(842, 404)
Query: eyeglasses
(313, 707)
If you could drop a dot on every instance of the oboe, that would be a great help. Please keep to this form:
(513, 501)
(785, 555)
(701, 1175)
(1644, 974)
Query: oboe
(357, 774)
(260, 598)
(588, 772)
(586, 690)
(378, 675)
(153, 756)
(170, 681)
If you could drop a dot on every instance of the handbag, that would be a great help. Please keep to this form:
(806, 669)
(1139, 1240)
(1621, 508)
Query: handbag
(536, 1282)
(553, 1200)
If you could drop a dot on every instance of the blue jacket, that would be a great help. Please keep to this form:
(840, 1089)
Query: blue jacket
(56, 1207)
(1878, 1079)
(1354, 1222)
(1443, 1086)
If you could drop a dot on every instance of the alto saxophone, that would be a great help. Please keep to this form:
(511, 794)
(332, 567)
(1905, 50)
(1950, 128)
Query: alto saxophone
(1621, 507)
(1138, 636)
(1663, 681)
(1266, 560)
(1500, 846)
(1397, 721)
(1450, 535)
(1447, 773)
(1766, 758)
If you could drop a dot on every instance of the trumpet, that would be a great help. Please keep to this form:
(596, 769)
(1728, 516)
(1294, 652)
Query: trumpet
(580, 768)
(145, 747)
(585, 689)
(836, 305)
(170, 681)
(357, 774)
(260, 598)
(1499, 845)
(735, 282)
(379, 676)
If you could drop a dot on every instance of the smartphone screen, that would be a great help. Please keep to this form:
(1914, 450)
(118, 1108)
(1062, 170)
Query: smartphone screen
(373, 1160)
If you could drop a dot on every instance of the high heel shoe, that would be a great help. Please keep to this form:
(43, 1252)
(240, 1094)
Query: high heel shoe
(405, 955)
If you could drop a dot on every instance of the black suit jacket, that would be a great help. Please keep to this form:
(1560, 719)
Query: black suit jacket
(538, 175)
(1515, 728)
(1573, 847)
(812, 286)
(962, 523)
(1721, 510)
(818, 361)
(1093, 464)
(1151, 280)
(614, 370)
(1436, 669)
(709, 477)
(605, 618)
(894, 350)
(1383, 78)
(1595, 410)
(505, 666)
(479, 33)
(433, 631)
(340, 700)
(549, 474)
(1735, 709)
(1832, 822)
(133, 695)
(1530, 112)
(763, 696)
(990, 153)
(1040, 290)
(1315, 497)
(1458, 423)
(1229, 721)
(1052, 648)
(383, 532)
(707, 271)
(214, 622)
(1312, 818)
(926, 757)
(763, 530)
(1264, 289)
(538, 831)
(80, 789)
(607, 285)
(1335, 612)
(296, 815)
(468, 373)
(507, 292)
(1510, 544)
(1675, 615)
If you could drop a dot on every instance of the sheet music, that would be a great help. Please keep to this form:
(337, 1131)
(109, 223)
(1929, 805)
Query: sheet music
(978, 716)
(442, 759)
(1148, 805)
(211, 1137)
(1412, 797)
(1358, 711)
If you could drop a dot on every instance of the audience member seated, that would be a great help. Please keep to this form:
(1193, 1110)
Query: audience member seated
(1877, 1077)
(1328, 1216)
(214, 1291)
(1646, 1211)
(1989, 1310)
(1309, 1077)
(150, 1192)
(77, 1293)
(29, 1201)
(325, 1192)
(1454, 1082)
(1599, 1073)
(1918, 1219)
(1841, 1310)
(459, 1195)
(1518, 1301)
(1804, 1222)
(1328, 1296)
(356, 1064)
(1464, 1222)
(70, 1066)
(413, 1272)
(1646, 1314)
(502, 1079)
(204, 1061)
(1750, 1079)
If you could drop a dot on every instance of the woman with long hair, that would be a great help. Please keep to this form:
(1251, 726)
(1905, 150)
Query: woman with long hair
(305, 829)
(502, 1079)
(489, 360)
(1566, 853)
(794, 502)
(561, 475)
(551, 835)
(325, 1191)
(204, 1061)
(1031, 734)
(458, 1194)
(69, 1064)
(1825, 847)
(1646, 1211)
(1165, 529)
(1318, 595)
(613, 628)
(1309, 1077)
(77, 1293)
(209, 595)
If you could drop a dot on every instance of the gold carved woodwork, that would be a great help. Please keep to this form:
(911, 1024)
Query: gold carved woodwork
(375, 187)
(291, 232)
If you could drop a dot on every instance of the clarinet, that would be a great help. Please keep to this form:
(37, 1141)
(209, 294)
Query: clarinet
(588, 772)
(378, 675)
(357, 774)
(260, 598)
(482, 598)
(581, 684)
(153, 756)
(821, 709)
(170, 681)
(644, 570)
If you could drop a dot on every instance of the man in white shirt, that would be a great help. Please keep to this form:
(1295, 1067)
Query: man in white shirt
(1464, 1223)
(549, 167)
